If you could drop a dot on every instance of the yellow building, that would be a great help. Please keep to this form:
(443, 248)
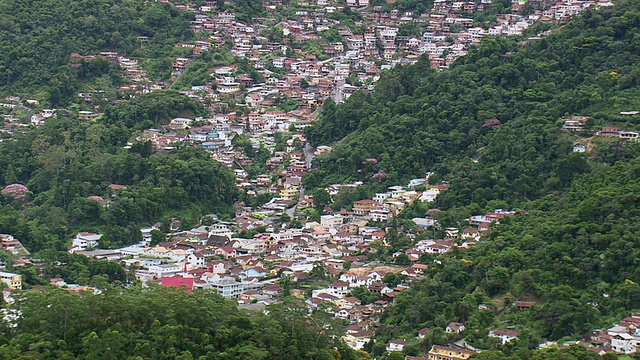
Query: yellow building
(363, 207)
(13, 281)
(289, 193)
(438, 352)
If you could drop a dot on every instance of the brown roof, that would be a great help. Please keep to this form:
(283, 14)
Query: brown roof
(217, 240)
(506, 332)
(524, 304)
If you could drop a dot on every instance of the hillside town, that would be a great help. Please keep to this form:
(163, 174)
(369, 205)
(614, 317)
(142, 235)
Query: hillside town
(290, 67)
(329, 257)
(284, 241)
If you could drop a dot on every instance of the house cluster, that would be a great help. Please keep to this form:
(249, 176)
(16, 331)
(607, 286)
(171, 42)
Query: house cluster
(383, 207)
(132, 71)
(197, 259)
(42, 116)
(283, 180)
(455, 351)
(482, 222)
(21, 257)
(386, 205)
(624, 338)
(616, 132)
(280, 65)
(621, 339)
(454, 237)
(11, 280)
(8, 107)
(576, 123)
(308, 76)
(209, 258)
(215, 134)
(13, 246)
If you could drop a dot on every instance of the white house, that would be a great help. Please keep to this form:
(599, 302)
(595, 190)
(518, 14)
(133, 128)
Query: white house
(165, 270)
(471, 234)
(396, 345)
(158, 251)
(380, 214)
(505, 335)
(196, 260)
(455, 327)
(625, 339)
(181, 123)
(354, 280)
(624, 343)
(331, 221)
(84, 240)
(217, 268)
(131, 250)
(279, 62)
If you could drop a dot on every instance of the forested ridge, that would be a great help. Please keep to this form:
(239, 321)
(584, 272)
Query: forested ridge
(66, 161)
(38, 37)
(165, 323)
(490, 126)
(575, 254)
(499, 105)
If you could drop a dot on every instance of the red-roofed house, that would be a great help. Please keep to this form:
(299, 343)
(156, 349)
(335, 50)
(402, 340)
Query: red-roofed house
(455, 327)
(178, 281)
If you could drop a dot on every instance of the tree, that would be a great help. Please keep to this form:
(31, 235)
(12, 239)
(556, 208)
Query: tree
(295, 224)
(10, 175)
(365, 295)
(285, 284)
(318, 271)
(321, 199)
(285, 218)
(391, 279)
(402, 259)
(116, 324)
(346, 266)
(156, 237)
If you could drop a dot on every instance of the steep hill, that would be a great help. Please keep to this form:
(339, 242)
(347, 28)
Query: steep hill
(575, 255)
(490, 125)
(66, 161)
(499, 105)
(38, 37)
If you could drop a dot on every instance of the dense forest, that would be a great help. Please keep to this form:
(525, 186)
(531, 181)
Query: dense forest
(574, 254)
(490, 126)
(492, 119)
(66, 161)
(164, 323)
(37, 39)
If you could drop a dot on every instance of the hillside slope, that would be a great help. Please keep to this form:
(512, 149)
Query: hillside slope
(38, 37)
(499, 105)
(491, 126)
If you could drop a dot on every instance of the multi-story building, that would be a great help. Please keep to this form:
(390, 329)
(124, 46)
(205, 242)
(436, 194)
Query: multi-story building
(438, 352)
(84, 240)
(13, 281)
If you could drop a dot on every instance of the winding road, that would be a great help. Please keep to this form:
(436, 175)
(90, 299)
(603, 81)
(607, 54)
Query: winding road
(308, 156)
